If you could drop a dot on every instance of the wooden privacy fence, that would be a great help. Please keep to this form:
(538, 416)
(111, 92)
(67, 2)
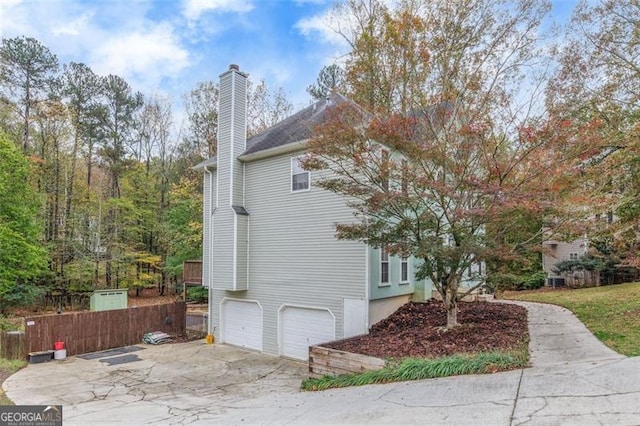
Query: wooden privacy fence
(197, 321)
(84, 332)
(12, 345)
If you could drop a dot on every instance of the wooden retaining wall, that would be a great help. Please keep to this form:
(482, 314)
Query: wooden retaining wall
(84, 332)
(326, 361)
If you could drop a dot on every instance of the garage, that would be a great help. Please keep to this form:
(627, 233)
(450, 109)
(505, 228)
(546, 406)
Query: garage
(241, 323)
(303, 327)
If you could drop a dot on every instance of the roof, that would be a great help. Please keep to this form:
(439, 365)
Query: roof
(295, 128)
(206, 163)
(298, 127)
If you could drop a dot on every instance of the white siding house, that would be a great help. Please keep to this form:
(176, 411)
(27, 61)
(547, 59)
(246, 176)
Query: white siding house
(279, 280)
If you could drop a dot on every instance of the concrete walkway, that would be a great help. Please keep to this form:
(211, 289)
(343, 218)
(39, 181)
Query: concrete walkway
(574, 380)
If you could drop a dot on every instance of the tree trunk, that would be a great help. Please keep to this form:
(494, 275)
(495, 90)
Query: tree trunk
(452, 310)
(27, 106)
(451, 303)
(107, 272)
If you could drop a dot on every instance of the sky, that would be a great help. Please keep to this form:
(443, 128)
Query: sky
(166, 47)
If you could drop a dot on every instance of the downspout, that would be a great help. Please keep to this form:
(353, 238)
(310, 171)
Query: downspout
(210, 330)
(367, 290)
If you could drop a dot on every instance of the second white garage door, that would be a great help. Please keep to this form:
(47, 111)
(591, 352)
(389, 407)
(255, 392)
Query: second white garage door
(304, 327)
(241, 323)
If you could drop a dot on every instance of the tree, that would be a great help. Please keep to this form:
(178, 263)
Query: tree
(448, 148)
(153, 130)
(51, 137)
(81, 88)
(201, 105)
(121, 105)
(387, 65)
(22, 257)
(330, 78)
(597, 85)
(26, 68)
(184, 223)
(265, 107)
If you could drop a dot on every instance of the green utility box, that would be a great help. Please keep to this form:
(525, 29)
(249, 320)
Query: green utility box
(108, 299)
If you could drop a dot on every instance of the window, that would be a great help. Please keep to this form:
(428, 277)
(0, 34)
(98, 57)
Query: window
(384, 265)
(404, 269)
(299, 176)
(573, 256)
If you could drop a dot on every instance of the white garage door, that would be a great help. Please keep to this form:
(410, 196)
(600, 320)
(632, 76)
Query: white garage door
(241, 324)
(304, 327)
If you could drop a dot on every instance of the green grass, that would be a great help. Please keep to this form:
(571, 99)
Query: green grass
(611, 313)
(419, 369)
(7, 368)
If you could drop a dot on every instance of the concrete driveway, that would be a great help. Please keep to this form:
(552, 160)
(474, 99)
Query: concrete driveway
(574, 380)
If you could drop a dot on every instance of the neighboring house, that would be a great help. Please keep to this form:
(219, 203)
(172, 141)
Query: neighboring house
(279, 280)
(558, 251)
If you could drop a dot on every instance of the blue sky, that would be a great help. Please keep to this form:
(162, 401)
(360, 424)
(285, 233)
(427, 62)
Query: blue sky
(167, 46)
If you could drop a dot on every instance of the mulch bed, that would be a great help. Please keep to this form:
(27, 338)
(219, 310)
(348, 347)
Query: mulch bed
(418, 330)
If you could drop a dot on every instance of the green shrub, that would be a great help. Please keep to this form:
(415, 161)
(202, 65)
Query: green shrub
(501, 282)
(507, 281)
(420, 369)
(534, 281)
(10, 324)
(198, 294)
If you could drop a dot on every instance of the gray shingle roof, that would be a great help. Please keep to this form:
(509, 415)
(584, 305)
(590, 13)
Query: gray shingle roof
(298, 127)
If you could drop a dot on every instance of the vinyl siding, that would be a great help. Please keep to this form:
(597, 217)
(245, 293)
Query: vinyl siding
(242, 227)
(208, 196)
(294, 257)
(231, 143)
(239, 137)
(394, 287)
(560, 251)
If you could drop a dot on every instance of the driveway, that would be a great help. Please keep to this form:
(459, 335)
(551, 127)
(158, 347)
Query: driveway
(574, 380)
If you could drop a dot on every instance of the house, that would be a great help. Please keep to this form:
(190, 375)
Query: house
(279, 281)
(559, 251)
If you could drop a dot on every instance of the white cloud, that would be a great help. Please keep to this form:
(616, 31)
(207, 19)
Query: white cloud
(143, 57)
(194, 8)
(74, 27)
(304, 2)
(326, 26)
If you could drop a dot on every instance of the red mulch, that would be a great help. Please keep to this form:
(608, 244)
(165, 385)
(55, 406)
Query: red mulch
(418, 330)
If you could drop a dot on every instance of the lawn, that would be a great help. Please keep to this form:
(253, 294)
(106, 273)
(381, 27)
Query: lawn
(612, 313)
(8, 367)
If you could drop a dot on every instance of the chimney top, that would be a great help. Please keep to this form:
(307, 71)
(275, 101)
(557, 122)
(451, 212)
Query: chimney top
(234, 67)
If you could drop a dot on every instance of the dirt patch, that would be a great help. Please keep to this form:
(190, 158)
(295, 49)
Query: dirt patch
(418, 330)
(150, 296)
(634, 314)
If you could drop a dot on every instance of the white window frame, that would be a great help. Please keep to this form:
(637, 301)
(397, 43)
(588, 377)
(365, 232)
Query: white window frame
(404, 266)
(297, 170)
(573, 256)
(384, 260)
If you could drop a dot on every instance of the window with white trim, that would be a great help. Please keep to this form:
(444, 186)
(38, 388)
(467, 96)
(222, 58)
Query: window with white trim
(384, 265)
(404, 269)
(573, 256)
(300, 178)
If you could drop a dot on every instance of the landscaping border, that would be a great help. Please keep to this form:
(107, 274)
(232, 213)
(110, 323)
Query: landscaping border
(326, 361)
